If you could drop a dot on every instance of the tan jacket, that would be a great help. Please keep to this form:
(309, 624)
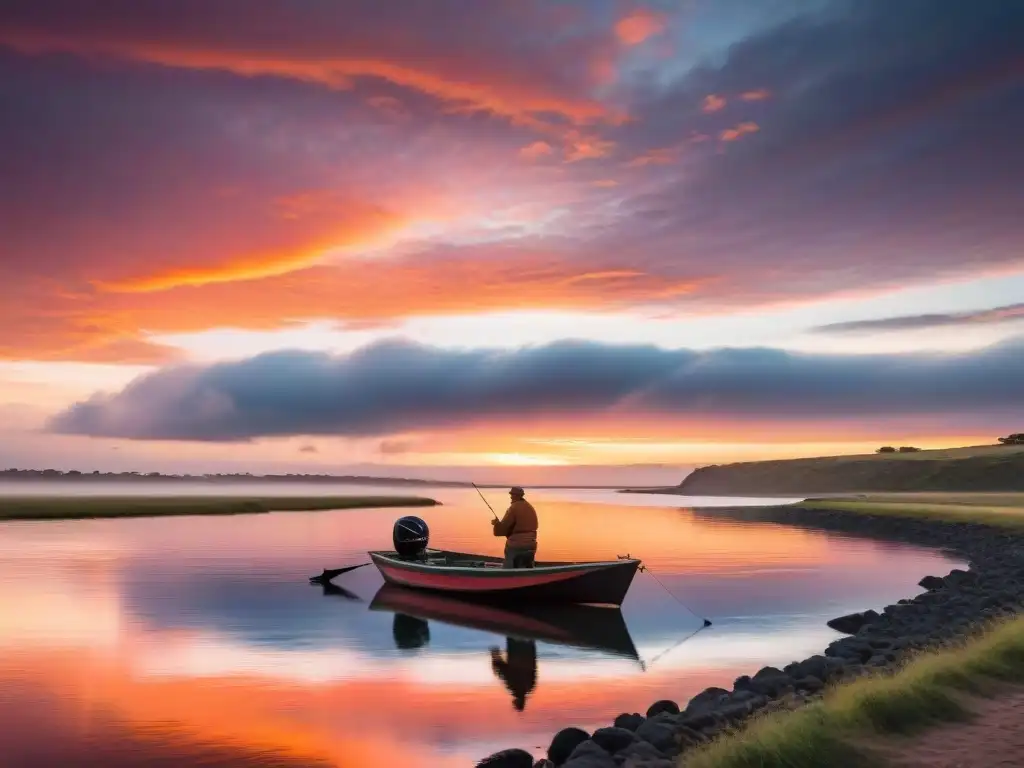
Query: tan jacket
(519, 524)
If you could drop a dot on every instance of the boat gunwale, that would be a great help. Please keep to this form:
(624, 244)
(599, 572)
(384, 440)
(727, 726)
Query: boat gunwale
(559, 567)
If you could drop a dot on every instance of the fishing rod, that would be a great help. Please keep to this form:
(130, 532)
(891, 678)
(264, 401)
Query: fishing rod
(486, 501)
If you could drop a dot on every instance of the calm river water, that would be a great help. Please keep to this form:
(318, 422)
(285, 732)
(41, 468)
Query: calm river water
(181, 641)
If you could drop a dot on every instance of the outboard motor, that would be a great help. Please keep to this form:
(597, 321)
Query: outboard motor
(410, 537)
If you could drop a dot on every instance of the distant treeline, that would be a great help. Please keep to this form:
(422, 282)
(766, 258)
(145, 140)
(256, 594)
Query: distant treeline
(51, 475)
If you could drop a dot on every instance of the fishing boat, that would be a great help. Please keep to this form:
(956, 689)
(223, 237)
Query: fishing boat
(459, 573)
(413, 565)
(588, 627)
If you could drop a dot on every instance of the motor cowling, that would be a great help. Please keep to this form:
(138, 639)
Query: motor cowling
(410, 537)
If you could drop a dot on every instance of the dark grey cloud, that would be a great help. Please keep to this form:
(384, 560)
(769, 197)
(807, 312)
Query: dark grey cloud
(391, 387)
(996, 315)
(888, 151)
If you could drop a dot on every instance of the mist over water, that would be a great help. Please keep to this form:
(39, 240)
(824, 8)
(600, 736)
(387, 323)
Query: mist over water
(146, 640)
(186, 488)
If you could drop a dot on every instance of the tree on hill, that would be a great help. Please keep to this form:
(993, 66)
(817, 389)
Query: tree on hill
(886, 449)
(1017, 438)
(908, 449)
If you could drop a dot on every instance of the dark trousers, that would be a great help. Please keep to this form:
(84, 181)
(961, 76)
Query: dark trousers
(519, 558)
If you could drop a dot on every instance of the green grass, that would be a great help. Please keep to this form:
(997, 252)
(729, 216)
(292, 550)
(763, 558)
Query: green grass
(971, 498)
(933, 689)
(995, 451)
(972, 469)
(79, 507)
(953, 508)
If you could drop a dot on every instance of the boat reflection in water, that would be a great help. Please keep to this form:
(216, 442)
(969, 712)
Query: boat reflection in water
(586, 627)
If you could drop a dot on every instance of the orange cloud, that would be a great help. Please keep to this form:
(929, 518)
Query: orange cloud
(389, 105)
(587, 148)
(757, 95)
(124, 351)
(37, 322)
(605, 183)
(639, 25)
(712, 103)
(394, 287)
(318, 224)
(662, 156)
(536, 150)
(738, 132)
(611, 274)
(518, 102)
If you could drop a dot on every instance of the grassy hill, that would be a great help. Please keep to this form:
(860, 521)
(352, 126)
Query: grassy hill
(986, 468)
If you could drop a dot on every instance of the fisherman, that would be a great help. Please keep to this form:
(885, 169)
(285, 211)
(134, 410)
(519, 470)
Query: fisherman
(520, 526)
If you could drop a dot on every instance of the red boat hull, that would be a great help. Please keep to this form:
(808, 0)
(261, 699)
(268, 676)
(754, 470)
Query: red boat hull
(484, 578)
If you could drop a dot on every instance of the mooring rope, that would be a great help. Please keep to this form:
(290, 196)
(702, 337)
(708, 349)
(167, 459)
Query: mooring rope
(644, 568)
(645, 666)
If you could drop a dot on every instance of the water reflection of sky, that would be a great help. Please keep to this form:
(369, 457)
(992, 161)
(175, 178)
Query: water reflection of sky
(175, 620)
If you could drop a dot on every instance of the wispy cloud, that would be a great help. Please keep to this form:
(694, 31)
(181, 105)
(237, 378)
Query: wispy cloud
(738, 131)
(638, 26)
(1006, 314)
(712, 103)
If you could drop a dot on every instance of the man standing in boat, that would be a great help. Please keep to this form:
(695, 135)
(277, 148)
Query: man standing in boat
(520, 526)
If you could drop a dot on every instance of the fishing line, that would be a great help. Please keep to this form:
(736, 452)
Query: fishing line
(644, 568)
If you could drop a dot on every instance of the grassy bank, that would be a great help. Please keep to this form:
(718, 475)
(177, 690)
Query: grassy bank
(80, 507)
(845, 728)
(961, 470)
(998, 509)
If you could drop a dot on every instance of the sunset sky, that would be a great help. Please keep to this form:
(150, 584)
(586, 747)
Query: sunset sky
(541, 239)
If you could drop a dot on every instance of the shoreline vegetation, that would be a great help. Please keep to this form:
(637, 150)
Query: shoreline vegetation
(89, 507)
(862, 723)
(1000, 510)
(985, 468)
(870, 697)
(74, 477)
(15, 475)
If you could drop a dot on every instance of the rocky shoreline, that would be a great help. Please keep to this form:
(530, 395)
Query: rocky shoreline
(953, 606)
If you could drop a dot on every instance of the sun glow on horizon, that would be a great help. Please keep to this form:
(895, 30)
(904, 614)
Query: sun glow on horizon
(522, 460)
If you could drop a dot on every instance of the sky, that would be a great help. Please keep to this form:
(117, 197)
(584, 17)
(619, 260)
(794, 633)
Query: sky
(599, 239)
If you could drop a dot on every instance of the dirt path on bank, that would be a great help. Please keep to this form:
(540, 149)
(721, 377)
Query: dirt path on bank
(993, 739)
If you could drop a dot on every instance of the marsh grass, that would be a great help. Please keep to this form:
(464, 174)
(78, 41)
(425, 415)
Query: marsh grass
(932, 689)
(80, 507)
(950, 512)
